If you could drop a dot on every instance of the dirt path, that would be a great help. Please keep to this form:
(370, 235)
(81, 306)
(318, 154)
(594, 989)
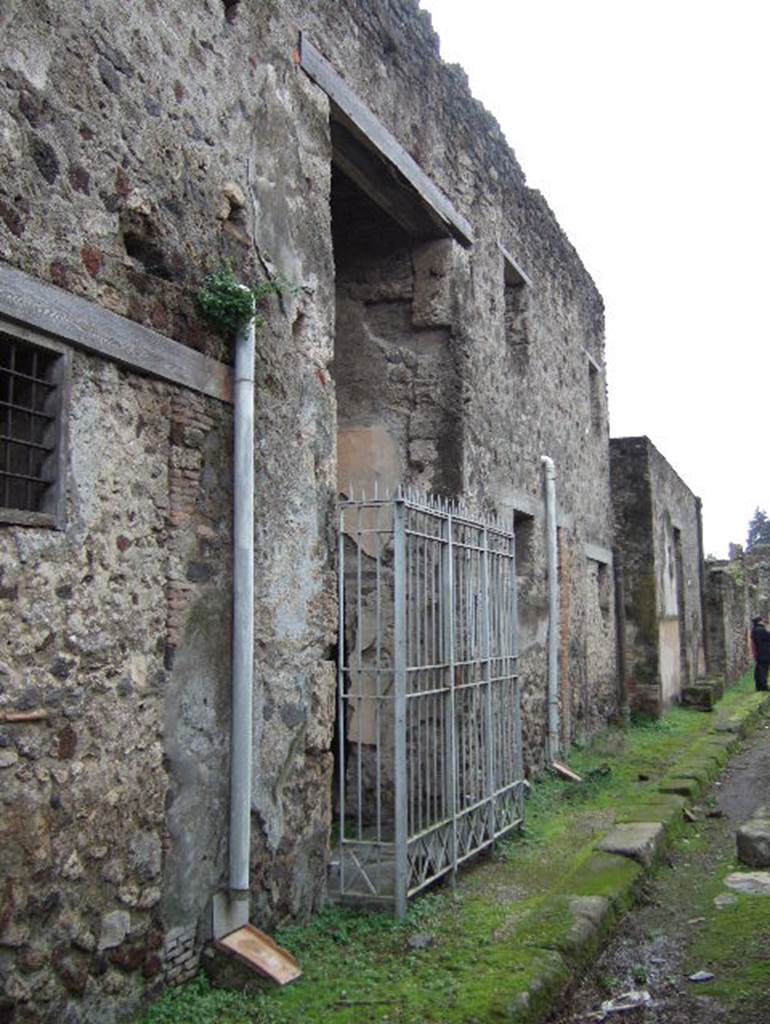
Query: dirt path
(678, 928)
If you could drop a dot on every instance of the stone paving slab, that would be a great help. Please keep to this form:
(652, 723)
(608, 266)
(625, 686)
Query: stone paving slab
(642, 841)
(718, 741)
(684, 787)
(606, 874)
(716, 749)
(699, 771)
(571, 925)
(754, 883)
(666, 808)
(742, 719)
(700, 763)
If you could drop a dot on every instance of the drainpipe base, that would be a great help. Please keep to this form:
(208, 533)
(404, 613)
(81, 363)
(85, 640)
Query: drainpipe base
(230, 912)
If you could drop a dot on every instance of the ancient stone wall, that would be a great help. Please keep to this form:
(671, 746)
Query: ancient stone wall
(146, 145)
(529, 358)
(737, 589)
(679, 558)
(757, 567)
(727, 609)
(92, 615)
(657, 524)
(632, 507)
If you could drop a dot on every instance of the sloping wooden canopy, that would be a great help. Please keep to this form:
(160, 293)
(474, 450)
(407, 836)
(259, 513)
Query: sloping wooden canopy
(365, 151)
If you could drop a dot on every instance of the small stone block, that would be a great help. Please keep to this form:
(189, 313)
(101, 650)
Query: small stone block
(700, 696)
(640, 840)
(115, 926)
(718, 686)
(753, 840)
(664, 807)
(685, 787)
(608, 875)
(702, 769)
(573, 925)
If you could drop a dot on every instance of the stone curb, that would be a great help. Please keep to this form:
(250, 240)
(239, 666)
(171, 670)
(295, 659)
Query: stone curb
(744, 718)
(574, 922)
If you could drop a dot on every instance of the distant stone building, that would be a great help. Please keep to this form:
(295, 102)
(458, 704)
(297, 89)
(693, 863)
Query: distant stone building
(727, 618)
(658, 535)
(439, 331)
(737, 589)
(757, 563)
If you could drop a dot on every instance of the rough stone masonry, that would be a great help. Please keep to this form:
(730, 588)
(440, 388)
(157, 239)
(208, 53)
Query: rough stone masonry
(144, 146)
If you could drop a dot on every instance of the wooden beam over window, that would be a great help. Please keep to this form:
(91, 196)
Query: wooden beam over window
(370, 155)
(92, 328)
(598, 553)
(512, 271)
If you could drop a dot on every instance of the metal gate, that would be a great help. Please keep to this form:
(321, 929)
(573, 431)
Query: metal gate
(429, 721)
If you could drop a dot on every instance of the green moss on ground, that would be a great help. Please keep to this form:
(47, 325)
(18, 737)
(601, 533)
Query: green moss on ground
(486, 952)
(734, 943)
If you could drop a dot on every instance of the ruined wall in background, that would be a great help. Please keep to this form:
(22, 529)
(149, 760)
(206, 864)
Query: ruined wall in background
(757, 567)
(657, 524)
(727, 619)
(737, 589)
(679, 559)
(632, 507)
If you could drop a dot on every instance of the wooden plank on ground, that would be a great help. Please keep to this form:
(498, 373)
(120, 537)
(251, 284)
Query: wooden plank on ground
(258, 950)
(565, 772)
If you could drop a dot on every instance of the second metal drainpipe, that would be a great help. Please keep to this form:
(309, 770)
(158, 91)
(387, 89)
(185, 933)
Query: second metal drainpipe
(549, 472)
(243, 624)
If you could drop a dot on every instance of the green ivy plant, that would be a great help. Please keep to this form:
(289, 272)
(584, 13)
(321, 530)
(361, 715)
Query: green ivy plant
(226, 303)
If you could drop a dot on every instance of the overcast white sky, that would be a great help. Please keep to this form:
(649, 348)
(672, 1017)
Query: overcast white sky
(647, 128)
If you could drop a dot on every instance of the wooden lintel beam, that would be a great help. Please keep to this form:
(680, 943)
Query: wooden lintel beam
(378, 181)
(92, 328)
(351, 111)
(514, 274)
(598, 553)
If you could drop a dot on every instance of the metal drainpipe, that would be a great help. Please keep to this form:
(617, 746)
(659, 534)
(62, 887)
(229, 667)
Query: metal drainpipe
(624, 712)
(243, 622)
(549, 472)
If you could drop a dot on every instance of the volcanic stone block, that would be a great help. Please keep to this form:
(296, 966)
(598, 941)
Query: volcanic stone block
(701, 696)
(640, 840)
(753, 841)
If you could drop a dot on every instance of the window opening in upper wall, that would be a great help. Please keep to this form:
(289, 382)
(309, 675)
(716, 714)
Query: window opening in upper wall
(517, 287)
(33, 377)
(594, 396)
(604, 589)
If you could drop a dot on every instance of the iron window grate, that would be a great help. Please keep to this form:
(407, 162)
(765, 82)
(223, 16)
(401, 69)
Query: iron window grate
(31, 378)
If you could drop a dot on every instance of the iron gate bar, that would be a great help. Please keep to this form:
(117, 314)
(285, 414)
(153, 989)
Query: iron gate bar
(428, 694)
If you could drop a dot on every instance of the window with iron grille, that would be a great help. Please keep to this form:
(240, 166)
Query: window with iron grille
(33, 376)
